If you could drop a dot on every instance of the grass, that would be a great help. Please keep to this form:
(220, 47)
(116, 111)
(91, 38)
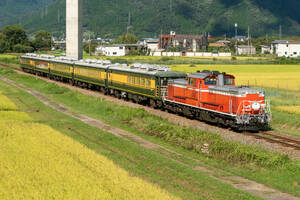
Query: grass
(39, 162)
(6, 104)
(173, 177)
(251, 162)
(289, 109)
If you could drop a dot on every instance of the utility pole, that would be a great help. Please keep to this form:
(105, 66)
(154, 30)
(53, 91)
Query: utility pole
(249, 39)
(280, 32)
(129, 22)
(236, 26)
(171, 6)
(90, 43)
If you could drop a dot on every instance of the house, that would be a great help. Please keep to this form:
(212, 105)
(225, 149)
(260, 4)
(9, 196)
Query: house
(240, 38)
(287, 48)
(265, 49)
(150, 43)
(118, 49)
(245, 50)
(183, 43)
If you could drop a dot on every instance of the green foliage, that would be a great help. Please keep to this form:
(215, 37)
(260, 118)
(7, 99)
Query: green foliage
(13, 35)
(4, 45)
(126, 39)
(93, 45)
(42, 41)
(20, 48)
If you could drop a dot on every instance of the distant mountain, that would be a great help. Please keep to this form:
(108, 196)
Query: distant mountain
(109, 18)
(10, 9)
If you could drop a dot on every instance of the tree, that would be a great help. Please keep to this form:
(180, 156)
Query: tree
(14, 35)
(4, 45)
(42, 41)
(20, 48)
(93, 45)
(126, 39)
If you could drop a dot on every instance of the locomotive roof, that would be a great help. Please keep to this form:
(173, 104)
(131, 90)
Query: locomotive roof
(205, 73)
(235, 89)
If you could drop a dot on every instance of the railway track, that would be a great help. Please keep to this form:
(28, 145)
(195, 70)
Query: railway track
(277, 138)
(268, 136)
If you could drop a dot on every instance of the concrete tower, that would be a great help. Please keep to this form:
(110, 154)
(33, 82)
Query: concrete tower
(74, 28)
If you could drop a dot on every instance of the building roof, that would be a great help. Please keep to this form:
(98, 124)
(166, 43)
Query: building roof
(124, 45)
(217, 44)
(286, 42)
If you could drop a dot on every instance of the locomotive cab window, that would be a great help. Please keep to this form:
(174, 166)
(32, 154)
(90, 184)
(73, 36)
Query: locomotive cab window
(210, 81)
(192, 82)
(228, 81)
(164, 82)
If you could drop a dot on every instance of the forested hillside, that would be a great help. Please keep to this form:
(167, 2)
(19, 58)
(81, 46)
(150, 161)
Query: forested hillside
(17, 8)
(151, 17)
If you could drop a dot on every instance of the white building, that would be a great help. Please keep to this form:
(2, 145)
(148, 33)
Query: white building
(114, 50)
(150, 43)
(287, 48)
(265, 49)
(246, 50)
(118, 49)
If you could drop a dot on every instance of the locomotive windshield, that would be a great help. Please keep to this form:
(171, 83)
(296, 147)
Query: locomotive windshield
(228, 81)
(210, 81)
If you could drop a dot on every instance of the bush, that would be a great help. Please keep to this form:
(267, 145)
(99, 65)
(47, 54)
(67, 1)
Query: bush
(19, 48)
(165, 58)
(233, 58)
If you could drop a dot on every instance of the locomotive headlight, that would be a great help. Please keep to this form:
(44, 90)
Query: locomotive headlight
(261, 94)
(255, 106)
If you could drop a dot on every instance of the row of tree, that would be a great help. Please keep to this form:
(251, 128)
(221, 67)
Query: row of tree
(14, 39)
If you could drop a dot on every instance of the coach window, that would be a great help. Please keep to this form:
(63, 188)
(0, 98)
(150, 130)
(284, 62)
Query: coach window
(148, 85)
(143, 82)
(137, 80)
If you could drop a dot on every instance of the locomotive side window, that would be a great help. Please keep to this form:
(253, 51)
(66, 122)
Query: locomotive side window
(228, 81)
(210, 81)
(192, 82)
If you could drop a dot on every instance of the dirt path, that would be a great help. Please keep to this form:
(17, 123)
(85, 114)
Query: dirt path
(183, 121)
(236, 181)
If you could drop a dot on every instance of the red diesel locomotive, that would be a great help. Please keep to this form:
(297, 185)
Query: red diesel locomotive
(213, 97)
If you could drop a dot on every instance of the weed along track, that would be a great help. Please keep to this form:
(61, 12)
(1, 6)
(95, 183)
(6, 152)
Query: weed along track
(237, 182)
(275, 142)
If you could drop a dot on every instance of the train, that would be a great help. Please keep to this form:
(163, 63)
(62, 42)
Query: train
(209, 96)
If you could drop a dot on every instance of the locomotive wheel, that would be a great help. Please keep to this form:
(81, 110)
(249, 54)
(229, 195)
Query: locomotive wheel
(153, 103)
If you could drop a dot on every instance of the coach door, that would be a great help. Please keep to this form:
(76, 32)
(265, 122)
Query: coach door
(109, 77)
